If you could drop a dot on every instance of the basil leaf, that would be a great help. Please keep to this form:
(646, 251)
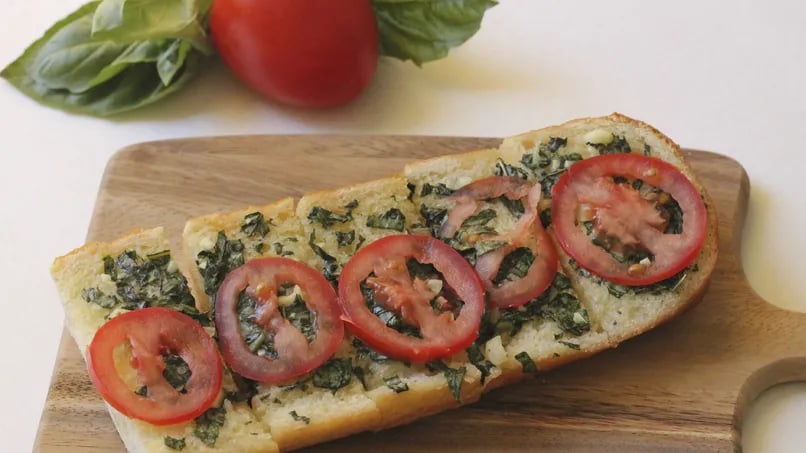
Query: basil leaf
(65, 57)
(392, 219)
(138, 52)
(142, 20)
(208, 425)
(425, 30)
(72, 69)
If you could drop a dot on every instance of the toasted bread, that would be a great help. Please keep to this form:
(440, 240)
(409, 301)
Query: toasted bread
(578, 316)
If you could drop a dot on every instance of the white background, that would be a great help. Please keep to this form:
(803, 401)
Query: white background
(722, 76)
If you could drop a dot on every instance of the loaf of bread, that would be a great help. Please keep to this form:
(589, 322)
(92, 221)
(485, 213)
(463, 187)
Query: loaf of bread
(579, 314)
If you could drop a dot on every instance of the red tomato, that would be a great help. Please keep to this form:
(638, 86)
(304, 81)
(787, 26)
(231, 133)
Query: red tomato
(443, 333)
(621, 212)
(310, 53)
(152, 332)
(528, 233)
(261, 278)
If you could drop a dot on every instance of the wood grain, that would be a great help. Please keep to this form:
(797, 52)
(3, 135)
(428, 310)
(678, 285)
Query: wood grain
(683, 386)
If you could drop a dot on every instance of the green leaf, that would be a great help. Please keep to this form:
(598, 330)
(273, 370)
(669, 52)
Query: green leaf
(71, 69)
(146, 20)
(392, 219)
(425, 30)
(49, 57)
(138, 52)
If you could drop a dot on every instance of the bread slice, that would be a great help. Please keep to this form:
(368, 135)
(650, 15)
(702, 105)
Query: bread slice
(83, 269)
(427, 391)
(297, 413)
(622, 316)
(528, 336)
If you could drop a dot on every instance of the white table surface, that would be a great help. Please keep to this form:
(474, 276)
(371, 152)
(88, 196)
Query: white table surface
(722, 76)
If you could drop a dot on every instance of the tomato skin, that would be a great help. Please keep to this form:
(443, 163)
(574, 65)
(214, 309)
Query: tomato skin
(151, 331)
(453, 336)
(672, 252)
(262, 277)
(308, 53)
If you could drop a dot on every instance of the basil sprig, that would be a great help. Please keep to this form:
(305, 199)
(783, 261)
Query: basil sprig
(110, 56)
(425, 30)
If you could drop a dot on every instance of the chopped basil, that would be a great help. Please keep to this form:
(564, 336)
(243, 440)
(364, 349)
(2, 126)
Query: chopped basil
(547, 164)
(504, 169)
(618, 144)
(299, 418)
(545, 217)
(476, 357)
(145, 282)
(478, 223)
(345, 238)
(571, 345)
(526, 362)
(392, 219)
(421, 270)
(672, 283)
(672, 208)
(254, 335)
(554, 144)
(558, 303)
(433, 217)
(216, 263)
(515, 207)
(360, 374)
(637, 184)
(97, 297)
(454, 376)
(390, 318)
(209, 424)
(515, 265)
(647, 149)
(483, 247)
(394, 383)
(301, 317)
(327, 218)
(279, 248)
(440, 190)
(364, 351)
(174, 443)
(331, 268)
(255, 224)
(176, 372)
(246, 390)
(361, 240)
(302, 385)
(411, 188)
(142, 391)
(334, 374)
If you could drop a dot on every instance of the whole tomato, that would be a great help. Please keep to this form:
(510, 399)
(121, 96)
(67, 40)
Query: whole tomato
(310, 53)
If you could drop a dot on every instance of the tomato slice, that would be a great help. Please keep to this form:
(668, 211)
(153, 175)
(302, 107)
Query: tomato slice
(528, 233)
(295, 355)
(627, 218)
(442, 333)
(151, 333)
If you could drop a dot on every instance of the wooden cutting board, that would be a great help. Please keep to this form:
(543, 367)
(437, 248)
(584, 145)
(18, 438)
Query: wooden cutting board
(683, 386)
